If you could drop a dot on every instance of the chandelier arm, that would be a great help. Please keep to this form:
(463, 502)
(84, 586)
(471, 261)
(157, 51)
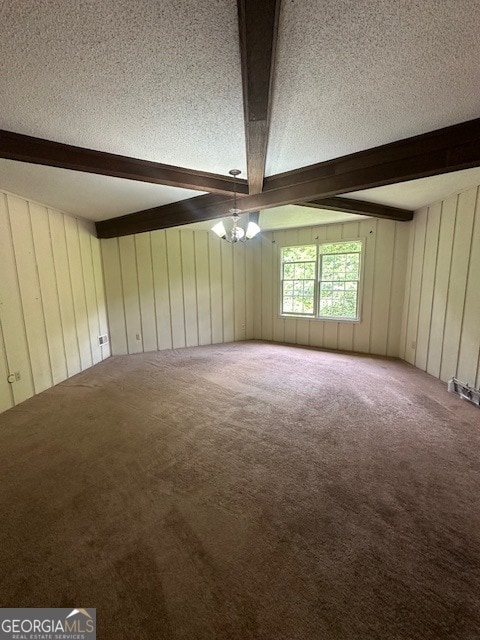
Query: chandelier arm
(237, 233)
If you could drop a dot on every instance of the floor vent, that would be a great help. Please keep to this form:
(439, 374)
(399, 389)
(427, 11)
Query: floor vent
(102, 340)
(464, 391)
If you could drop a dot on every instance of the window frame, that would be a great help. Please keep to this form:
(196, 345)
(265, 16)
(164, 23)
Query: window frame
(316, 297)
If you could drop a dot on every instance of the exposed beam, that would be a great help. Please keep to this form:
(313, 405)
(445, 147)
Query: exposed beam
(441, 151)
(360, 207)
(15, 146)
(258, 26)
(450, 149)
(206, 207)
(209, 207)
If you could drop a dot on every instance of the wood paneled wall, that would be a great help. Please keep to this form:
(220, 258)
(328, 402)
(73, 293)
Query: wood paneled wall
(441, 319)
(52, 306)
(176, 288)
(384, 264)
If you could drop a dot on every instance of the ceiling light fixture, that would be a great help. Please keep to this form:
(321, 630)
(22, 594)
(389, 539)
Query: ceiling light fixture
(236, 233)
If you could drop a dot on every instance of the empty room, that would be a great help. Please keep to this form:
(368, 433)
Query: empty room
(239, 320)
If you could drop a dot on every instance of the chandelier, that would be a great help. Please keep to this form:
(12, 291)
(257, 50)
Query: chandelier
(236, 233)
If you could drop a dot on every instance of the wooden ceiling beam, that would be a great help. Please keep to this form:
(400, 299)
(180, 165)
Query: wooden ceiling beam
(15, 146)
(198, 209)
(258, 27)
(441, 151)
(449, 149)
(210, 206)
(360, 207)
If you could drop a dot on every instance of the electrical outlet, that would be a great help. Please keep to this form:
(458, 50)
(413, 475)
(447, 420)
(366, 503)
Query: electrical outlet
(414, 344)
(17, 376)
(137, 336)
(243, 326)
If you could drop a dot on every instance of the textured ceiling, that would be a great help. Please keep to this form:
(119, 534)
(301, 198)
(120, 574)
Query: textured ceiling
(159, 80)
(354, 74)
(291, 216)
(418, 193)
(85, 194)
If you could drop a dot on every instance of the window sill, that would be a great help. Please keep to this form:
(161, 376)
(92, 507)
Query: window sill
(319, 319)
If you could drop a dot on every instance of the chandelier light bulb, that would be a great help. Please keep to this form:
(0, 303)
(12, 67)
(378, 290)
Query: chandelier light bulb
(237, 233)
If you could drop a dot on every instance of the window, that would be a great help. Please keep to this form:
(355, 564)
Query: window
(322, 281)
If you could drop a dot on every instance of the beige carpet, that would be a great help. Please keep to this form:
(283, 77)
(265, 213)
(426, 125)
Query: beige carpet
(247, 490)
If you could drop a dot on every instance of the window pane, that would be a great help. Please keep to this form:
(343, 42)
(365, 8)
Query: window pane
(299, 254)
(338, 299)
(341, 247)
(328, 267)
(298, 305)
(337, 286)
(288, 271)
(309, 270)
(299, 271)
(308, 289)
(298, 297)
(352, 266)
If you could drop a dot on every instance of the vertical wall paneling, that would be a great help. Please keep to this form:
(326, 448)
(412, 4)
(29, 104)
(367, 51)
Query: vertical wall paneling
(469, 352)
(458, 282)
(100, 294)
(146, 292)
(6, 391)
(49, 292)
(227, 291)
(396, 295)
(269, 277)
(442, 295)
(415, 285)
(408, 279)
(29, 293)
(131, 297)
(175, 288)
(239, 292)
(12, 317)
(190, 304)
(250, 251)
(428, 280)
(114, 296)
(203, 288)
(85, 232)
(215, 277)
(49, 298)
(175, 279)
(442, 278)
(64, 289)
(161, 288)
(78, 291)
(257, 286)
(362, 329)
(382, 284)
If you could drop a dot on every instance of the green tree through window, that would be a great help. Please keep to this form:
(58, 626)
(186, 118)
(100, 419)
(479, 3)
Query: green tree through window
(328, 274)
(298, 280)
